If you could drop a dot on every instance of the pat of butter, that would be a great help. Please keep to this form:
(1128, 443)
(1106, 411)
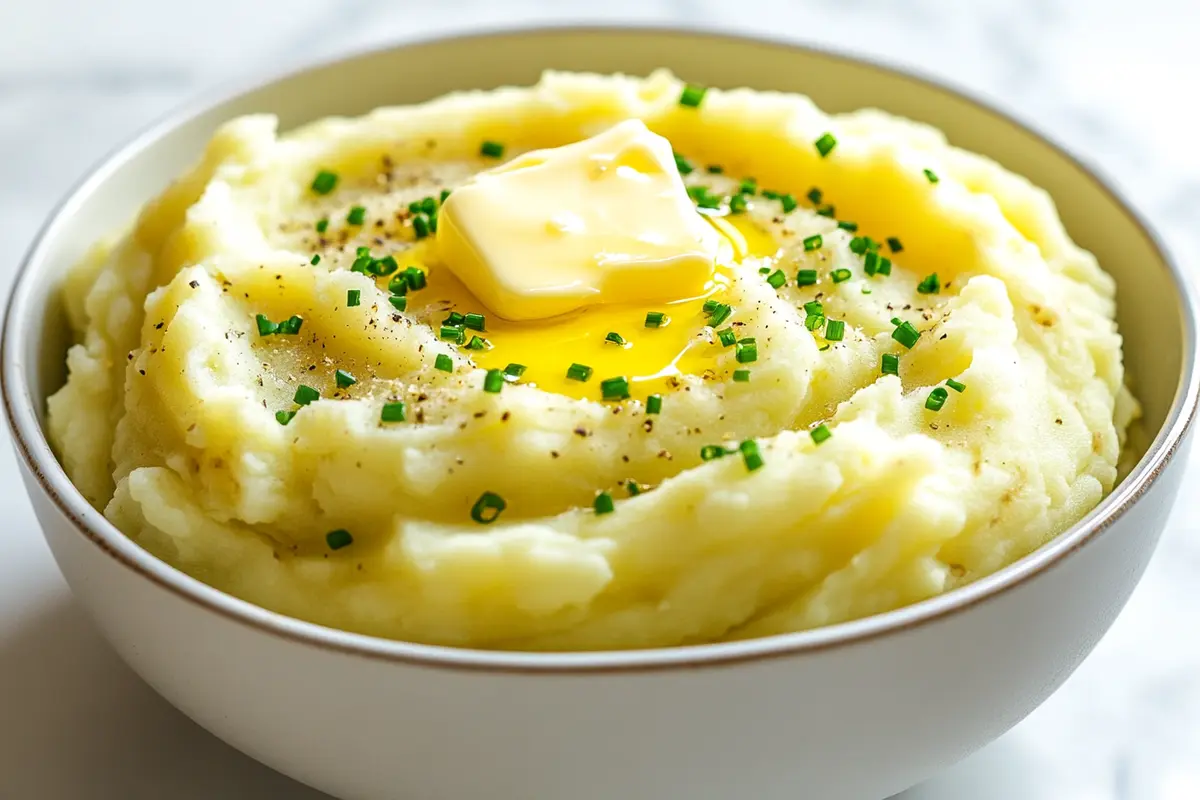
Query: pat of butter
(604, 220)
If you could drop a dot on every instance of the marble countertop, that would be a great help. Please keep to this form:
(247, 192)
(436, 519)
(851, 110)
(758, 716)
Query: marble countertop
(1110, 79)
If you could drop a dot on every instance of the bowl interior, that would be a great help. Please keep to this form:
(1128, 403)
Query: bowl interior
(1154, 311)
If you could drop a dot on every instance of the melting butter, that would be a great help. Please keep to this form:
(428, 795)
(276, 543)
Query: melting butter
(602, 221)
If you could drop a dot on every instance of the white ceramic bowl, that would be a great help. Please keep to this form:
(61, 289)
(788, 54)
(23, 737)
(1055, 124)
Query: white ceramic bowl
(858, 710)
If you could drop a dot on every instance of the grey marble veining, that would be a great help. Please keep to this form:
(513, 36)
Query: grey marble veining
(1112, 80)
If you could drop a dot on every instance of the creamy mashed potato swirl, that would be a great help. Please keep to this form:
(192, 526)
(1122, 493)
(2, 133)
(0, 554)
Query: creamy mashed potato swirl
(170, 420)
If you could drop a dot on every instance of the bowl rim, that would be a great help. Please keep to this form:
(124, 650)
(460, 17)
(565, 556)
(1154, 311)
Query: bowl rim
(34, 451)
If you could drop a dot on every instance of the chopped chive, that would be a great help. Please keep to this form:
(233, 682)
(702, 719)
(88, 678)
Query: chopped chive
(491, 149)
(357, 216)
(654, 404)
(392, 412)
(806, 277)
(930, 284)
(353, 297)
(324, 182)
(746, 351)
(452, 333)
(764, 270)
(897, 321)
(890, 364)
(741, 376)
(858, 245)
(936, 399)
(479, 343)
(656, 319)
(788, 202)
(771, 194)
(835, 329)
(814, 322)
(748, 186)
(487, 508)
(603, 504)
(614, 389)
(720, 314)
(420, 225)
(820, 433)
(493, 381)
(906, 334)
(316, 259)
(429, 205)
(737, 204)
(710, 306)
(683, 165)
(814, 196)
(866, 289)
(814, 307)
(362, 251)
(714, 169)
(339, 539)
(514, 371)
(634, 488)
(703, 197)
(813, 243)
(362, 263)
(776, 279)
(727, 337)
(885, 266)
(692, 95)
(931, 176)
(322, 225)
(825, 144)
(894, 244)
(415, 278)
(398, 284)
(579, 372)
(827, 211)
(454, 318)
(444, 363)
(344, 379)
(711, 451)
(383, 266)
(290, 326)
(305, 395)
(400, 303)
(840, 275)
(615, 338)
(474, 321)
(848, 226)
(284, 417)
(265, 326)
(750, 455)
(956, 386)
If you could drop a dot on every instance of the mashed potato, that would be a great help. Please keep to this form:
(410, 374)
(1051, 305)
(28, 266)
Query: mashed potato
(857, 490)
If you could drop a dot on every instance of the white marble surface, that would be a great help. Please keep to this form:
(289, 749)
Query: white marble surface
(1112, 79)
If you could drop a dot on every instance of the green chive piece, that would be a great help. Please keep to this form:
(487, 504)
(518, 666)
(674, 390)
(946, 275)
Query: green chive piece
(727, 337)
(897, 321)
(741, 376)
(814, 322)
(835, 329)
(452, 333)
(490, 149)
(392, 412)
(825, 144)
(806, 277)
(788, 202)
(324, 182)
(683, 165)
(931, 176)
(748, 186)
(711, 451)
(746, 351)
(344, 379)
(579, 372)
(316, 259)
(654, 404)
(514, 371)
(291, 326)
(615, 389)
(322, 225)
(415, 278)
(814, 196)
(956, 386)
(885, 266)
(936, 399)
(692, 95)
(656, 319)
(265, 326)
(894, 244)
(305, 395)
(479, 343)
(710, 306)
(339, 539)
(493, 381)
(429, 205)
(454, 318)
(813, 243)
(848, 226)
(890, 365)
(906, 334)
(444, 363)
(820, 433)
(871, 262)
(353, 297)
(750, 455)
(721, 313)
(703, 197)
(777, 279)
(840, 275)
(398, 303)
(814, 307)
(383, 266)
(764, 270)
(771, 194)
(930, 284)
(284, 417)
(603, 504)
(827, 211)
(714, 169)
(487, 508)
(634, 488)
(420, 225)
(357, 216)
(615, 338)
(474, 321)
(858, 245)
(866, 289)
(738, 204)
